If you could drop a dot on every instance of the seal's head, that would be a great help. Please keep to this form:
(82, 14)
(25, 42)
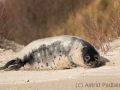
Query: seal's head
(90, 56)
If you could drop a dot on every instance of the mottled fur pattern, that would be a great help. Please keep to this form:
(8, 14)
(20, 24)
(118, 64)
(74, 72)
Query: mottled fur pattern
(55, 53)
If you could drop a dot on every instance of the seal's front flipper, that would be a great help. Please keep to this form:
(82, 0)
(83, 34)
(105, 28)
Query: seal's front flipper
(73, 65)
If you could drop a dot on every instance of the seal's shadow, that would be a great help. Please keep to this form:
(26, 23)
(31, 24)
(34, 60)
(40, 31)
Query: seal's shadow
(103, 61)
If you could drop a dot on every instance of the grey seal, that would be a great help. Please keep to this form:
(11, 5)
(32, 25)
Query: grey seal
(57, 52)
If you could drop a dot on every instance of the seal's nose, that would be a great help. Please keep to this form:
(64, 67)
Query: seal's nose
(93, 63)
(96, 57)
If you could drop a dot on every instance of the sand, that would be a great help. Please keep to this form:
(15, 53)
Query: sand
(106, 77)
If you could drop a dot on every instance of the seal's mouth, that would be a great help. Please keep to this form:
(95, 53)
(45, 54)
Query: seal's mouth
(92, 61)
(92, 64)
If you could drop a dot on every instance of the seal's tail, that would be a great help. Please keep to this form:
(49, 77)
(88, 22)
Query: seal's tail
(13, 65)
(7, 64)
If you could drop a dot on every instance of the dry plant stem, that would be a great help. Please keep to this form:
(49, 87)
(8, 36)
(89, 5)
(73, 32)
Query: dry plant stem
(1, 17)
(75, 20)
(8, 21)
(4, 28)
(2, 10)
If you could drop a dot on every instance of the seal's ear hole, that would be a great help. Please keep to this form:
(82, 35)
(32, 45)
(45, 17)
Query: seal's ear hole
(96, 57)
(84, 47)
(87, 58)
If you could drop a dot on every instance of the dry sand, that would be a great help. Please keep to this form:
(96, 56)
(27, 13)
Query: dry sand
(106, 77)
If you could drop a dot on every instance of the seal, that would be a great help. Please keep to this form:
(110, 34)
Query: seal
(57, 52)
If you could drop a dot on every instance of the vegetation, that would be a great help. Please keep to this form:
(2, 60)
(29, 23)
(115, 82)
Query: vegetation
(26, 20)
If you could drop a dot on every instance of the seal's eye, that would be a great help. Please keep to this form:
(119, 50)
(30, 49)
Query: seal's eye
(87, 58)
(96, 57)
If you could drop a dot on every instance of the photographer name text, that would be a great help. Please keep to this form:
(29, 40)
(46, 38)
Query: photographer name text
(95, 85)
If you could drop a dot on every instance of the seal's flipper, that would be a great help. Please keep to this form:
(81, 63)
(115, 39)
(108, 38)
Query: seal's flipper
(7, 64)
(13, 65)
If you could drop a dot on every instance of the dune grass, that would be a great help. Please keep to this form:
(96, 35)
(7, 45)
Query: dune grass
(95, 20)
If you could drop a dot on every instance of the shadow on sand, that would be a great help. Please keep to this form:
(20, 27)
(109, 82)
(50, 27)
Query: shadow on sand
(103, 61)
